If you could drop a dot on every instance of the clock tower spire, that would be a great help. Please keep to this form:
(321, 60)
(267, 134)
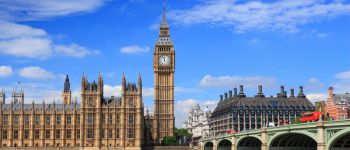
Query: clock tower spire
(164, 68)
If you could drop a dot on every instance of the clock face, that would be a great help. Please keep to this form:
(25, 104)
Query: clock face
(164, 60)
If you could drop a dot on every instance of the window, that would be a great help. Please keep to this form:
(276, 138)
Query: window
(131, 118)
(16, 120)
(26, 134)
(103, 119)
(69, 120)
(15, 134)
(78, 119)
(47, 120)
(90, 133)
(26, 120)
(131, 102)
(47, 134)
(103, 134)
(69, 134)
(110, 119)
(58, 134)
(4, 134)
(110, 133)
(117, 134)
(37, 120)
(78, 134)
(90, 118)
(90, 101)
(37, 134)
(5, 120)
(131, 133)
(118, 118)
(58, 119)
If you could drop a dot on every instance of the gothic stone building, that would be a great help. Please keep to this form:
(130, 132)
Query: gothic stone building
(97, 121)
(238, 113)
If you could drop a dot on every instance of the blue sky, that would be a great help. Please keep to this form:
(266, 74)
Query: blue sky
(219, 44)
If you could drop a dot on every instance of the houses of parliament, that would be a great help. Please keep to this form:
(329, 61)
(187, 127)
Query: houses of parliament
(97, 122)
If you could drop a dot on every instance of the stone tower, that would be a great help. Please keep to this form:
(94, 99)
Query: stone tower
(91, 101)
(17, 97)
(164, 68)
(67, 94)
(2, 96)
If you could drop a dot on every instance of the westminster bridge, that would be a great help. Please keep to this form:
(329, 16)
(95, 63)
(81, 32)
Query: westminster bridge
(322, 135)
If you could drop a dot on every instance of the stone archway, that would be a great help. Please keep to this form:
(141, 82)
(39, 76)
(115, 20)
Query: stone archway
(292, 141)
(224, 145)
(249, 143)
(208, 146)
(340, 140)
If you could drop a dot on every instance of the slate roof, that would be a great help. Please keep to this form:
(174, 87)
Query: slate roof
(263, 103)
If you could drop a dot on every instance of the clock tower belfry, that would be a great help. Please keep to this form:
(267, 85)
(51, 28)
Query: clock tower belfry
(164, 68)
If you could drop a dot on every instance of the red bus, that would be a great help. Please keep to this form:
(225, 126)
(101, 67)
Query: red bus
(310, 117)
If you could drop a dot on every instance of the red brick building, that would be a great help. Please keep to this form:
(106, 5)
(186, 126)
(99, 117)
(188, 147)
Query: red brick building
(337, 105)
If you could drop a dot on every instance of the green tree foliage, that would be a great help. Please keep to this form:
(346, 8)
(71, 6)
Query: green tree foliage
(169, 140)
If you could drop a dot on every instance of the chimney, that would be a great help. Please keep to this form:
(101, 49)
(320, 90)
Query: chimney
(225, 96)
(301, 92)
(260, 93)
(282, 92)
(330, 92)
(292, 93)
(221, 97)
(230, 94)
(235, 92)
(241, 92)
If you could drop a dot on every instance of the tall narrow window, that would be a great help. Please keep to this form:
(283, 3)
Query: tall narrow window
(37, 119)
(103, 134)
(47, 120)
(69, 134)
(110, 133)
(118, 118)
(78, 119)
(78, 134)
(58, 134)
(26, 134)
(15, 134)
(90, 133)
(103, 119)
(5, 120)
(4, 134)
(131, 118)
(131, 133)
(58, 119)
(90, 118)
(26, 120)
(16, 120)
(37, 134)
(69, 119)
(47, 134)
(110, 119)
(118, 133)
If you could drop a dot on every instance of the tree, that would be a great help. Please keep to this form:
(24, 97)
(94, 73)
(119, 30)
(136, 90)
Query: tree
(169, 140)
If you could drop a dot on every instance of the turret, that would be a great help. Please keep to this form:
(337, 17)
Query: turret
(140, 84)
(67, 94)
(292, 93)
(301, 92)
(2, 96)
(260, 92)
(241, 91)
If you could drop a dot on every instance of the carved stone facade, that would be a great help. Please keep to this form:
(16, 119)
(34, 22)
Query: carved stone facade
(163, 120)
(197, 124)
(99, 122)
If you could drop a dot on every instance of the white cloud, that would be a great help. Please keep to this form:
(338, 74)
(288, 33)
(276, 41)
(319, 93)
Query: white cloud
(132, 49)
(183, 107)
(314, 83)
(314, 97)
(18, 10)
(5, 71)
(74, 50)
(285, 15)
(24, 41)
(232, 81)
(343, 75)
(34, 72)
(110, 90)
(147, 92)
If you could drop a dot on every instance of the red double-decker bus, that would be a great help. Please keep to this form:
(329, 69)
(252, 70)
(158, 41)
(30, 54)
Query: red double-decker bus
(310, 117)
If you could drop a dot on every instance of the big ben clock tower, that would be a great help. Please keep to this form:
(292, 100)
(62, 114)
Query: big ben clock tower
(164, 68)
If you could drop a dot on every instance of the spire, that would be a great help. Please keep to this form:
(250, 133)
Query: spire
(164, 23)
(66, 84)
(67, 78)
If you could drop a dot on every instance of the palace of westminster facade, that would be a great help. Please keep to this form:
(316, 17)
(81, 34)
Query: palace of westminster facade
(97, 121)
